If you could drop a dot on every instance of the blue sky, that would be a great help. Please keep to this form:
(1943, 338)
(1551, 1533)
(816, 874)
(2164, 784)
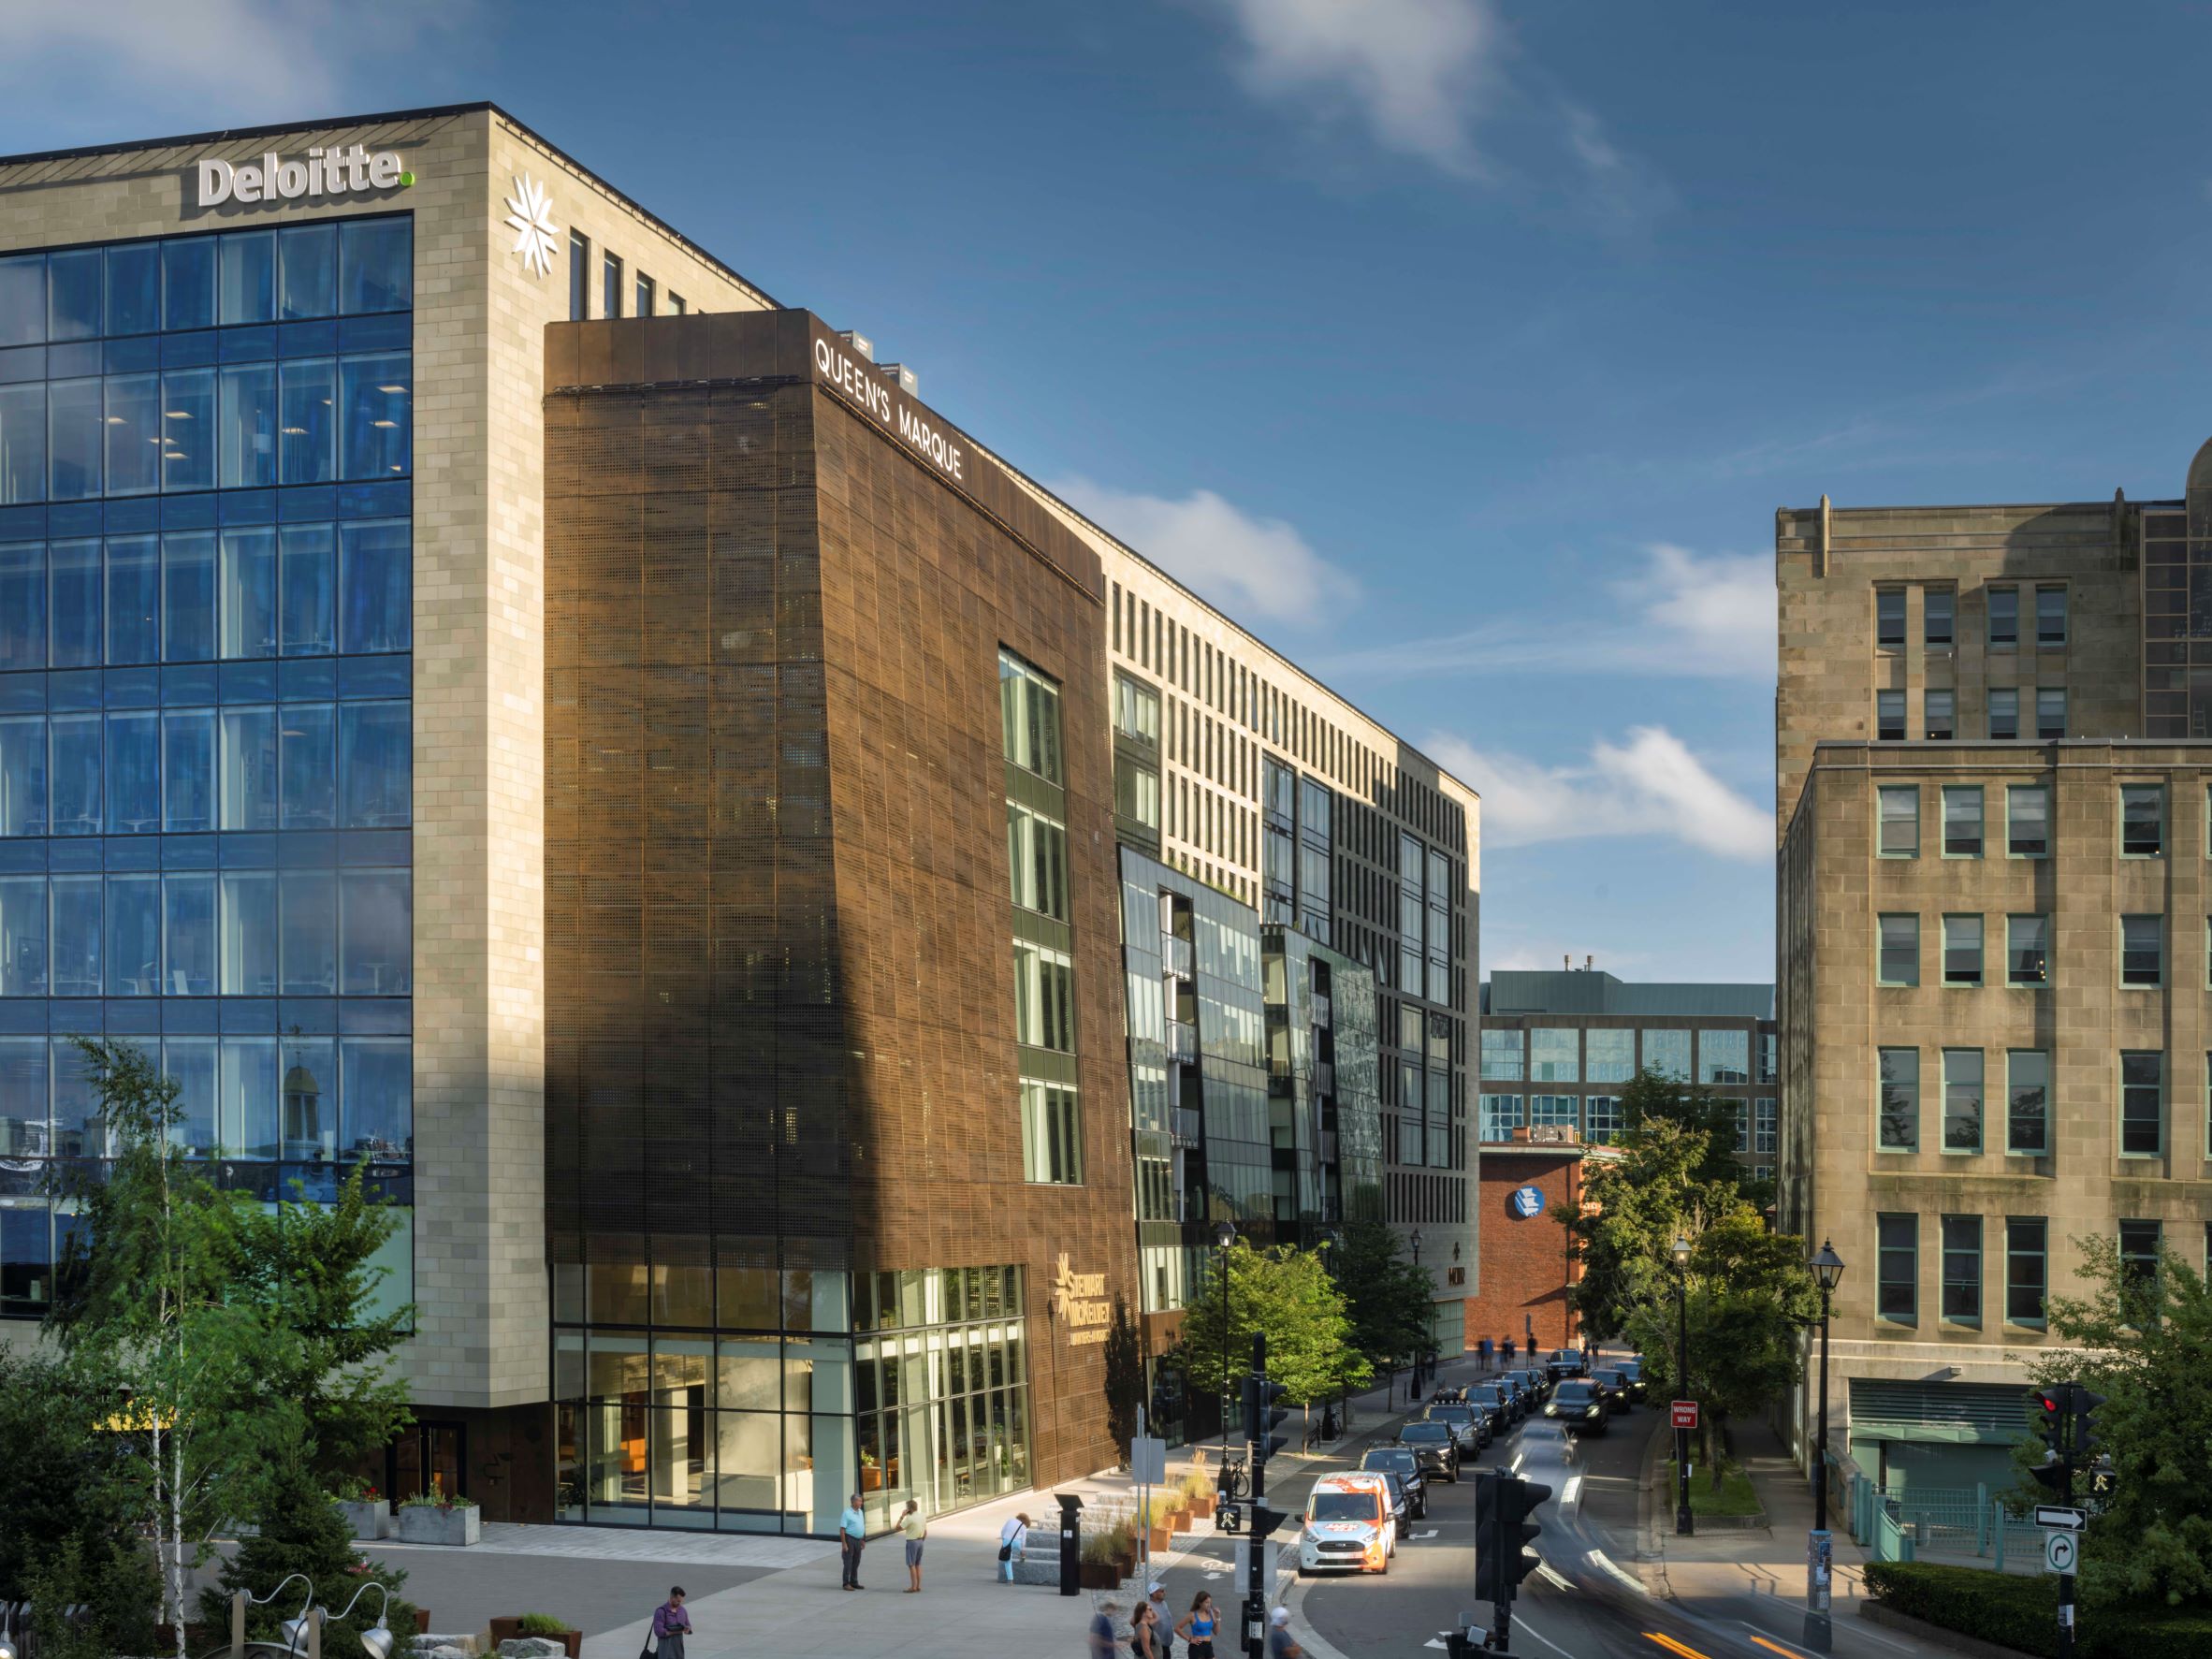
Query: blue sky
(1463, 349)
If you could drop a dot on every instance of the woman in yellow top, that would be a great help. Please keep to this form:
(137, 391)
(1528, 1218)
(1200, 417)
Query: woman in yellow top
(916, 1529)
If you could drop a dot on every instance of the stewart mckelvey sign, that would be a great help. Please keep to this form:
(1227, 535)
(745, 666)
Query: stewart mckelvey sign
(1079, 1302)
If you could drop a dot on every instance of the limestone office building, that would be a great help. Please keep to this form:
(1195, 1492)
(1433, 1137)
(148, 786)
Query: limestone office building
(1992, 933)
(486, 690)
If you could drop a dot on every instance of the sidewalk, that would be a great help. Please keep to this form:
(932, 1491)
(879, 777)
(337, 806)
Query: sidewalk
(964, 1610)
(1743, 1561)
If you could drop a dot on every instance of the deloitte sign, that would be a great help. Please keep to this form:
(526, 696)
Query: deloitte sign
(319, 174)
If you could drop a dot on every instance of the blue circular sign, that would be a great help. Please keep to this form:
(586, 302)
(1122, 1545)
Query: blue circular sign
(1528, 1200)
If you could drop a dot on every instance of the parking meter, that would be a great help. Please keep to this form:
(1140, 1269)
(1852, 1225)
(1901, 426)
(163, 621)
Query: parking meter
(1070, 1543)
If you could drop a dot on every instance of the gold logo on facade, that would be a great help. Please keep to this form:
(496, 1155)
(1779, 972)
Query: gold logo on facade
(1079, 1302)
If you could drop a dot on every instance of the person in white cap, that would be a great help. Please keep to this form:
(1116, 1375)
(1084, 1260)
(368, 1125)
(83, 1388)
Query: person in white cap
(1279, 1645)
(1164, 1630)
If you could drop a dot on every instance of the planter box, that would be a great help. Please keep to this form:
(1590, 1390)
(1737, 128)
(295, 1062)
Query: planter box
(425, 1523)
(370, 1518)
(1098, 1575)
(1202, 1508)
(1161, 1540)
(507, 1629)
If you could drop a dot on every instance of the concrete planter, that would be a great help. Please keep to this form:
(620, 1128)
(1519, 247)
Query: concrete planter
(426, 1523)
(370, 1518)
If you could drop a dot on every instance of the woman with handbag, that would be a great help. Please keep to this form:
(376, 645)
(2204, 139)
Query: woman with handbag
(670, 1624)
(1014, 1540)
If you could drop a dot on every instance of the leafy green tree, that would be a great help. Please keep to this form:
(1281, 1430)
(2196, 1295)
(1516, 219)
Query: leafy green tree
(1654, 1188)
(65, 1514)
(301, 1531)
(1388, 1299)
(151, 1307)
(1286, 1295)
(310, 1270)
(2140, 1340)
(1653, 1097)
(1750, 1295)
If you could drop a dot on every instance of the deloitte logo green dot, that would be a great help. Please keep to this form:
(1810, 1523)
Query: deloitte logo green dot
(405, 179)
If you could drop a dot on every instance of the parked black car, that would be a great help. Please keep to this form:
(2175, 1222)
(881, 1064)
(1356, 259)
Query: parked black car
(1435, 1446)
(1578, 1405)
(1489, 1399)
(1537, 1384)
(1474, 1427)
(1404, 1463)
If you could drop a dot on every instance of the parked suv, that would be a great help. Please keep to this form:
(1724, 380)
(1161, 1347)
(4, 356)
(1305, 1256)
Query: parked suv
(1472, 1426)
(1404, 1463)
(1491, 1399)
(1436, 1445)
(1565, 1362)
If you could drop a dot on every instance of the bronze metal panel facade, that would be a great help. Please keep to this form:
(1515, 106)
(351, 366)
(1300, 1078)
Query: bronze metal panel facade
(780, 1004)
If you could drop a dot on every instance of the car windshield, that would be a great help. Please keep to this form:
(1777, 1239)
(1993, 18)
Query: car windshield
(1486, 1396)
(1614, 1377)
(1341, 1505)
(1448, 1414)
(1575, 1393)
(1384, 1458)
(1424, 1432)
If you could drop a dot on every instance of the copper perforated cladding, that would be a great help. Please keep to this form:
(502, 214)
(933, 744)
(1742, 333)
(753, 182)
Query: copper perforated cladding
(779, 999)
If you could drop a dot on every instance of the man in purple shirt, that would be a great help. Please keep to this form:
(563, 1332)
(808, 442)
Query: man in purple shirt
(670, 1624)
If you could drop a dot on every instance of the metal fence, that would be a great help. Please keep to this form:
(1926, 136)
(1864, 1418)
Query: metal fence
(1959, 1523)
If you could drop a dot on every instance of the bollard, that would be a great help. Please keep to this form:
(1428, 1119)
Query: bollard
(1070, 1543)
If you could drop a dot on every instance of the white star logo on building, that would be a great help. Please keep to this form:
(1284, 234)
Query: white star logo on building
(536, 236)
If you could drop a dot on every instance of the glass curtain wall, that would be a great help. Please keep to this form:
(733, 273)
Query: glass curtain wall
(206, 726)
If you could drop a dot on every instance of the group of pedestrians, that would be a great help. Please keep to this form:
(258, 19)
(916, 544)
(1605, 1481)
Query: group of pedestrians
(1153, 1629)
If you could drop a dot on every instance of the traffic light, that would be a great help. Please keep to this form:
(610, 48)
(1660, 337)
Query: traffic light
(1505, 1526)
(2050, 1417)
(2086, 1439)
(1262, 1417)
(1265, 1521)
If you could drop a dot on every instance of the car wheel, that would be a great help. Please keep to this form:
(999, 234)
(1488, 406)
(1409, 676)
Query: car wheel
(1304, 1572)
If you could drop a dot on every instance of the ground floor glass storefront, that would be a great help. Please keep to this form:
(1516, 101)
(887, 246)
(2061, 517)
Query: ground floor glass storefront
(746, 1400)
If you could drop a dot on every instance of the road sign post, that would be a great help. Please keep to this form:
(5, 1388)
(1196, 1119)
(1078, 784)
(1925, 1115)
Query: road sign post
(1682, 1414)
(2061, 1550)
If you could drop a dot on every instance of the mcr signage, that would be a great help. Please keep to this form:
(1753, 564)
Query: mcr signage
(1682, 1414)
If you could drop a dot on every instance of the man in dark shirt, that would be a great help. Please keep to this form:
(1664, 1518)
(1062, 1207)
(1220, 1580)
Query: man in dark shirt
(1101, 1633)
(1279, 1645)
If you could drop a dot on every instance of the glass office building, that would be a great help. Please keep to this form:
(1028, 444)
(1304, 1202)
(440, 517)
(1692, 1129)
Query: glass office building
(205, 706)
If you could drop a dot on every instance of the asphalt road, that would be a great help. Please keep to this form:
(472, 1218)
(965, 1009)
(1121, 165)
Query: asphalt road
(1584, 1603)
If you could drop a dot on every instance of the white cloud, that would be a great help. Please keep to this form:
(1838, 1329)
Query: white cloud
(207, 60)
(1700, 616)
(1414, 69)
(1650, 786)
(1250, 567)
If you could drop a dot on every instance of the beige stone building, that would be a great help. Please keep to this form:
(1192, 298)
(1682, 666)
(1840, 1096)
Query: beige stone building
(1992, 939)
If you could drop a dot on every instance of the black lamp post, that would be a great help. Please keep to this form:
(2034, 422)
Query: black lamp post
(1683, 1525)
(1224, 1236)
(1827, 1269)
(1413, 1390)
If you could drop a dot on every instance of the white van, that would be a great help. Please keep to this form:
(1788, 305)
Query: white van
(1349, 1526)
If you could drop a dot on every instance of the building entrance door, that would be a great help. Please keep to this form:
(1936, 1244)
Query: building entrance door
(428, 1453)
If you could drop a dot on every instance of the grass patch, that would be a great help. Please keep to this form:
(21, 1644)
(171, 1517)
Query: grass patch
(1735, 1495)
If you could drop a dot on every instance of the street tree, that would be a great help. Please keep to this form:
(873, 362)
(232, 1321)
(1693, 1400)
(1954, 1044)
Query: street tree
(1387, 1299)
(2139, 1339)
(152, 1308)
(1286, 1295)
(1749, 1297)
(68, 1537)
(1654, 1188)
(311, 1270)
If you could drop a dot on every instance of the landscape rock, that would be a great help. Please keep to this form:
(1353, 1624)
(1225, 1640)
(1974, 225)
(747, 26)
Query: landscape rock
(532, 1647)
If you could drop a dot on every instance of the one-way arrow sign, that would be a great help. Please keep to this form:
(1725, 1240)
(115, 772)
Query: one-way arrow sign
(2071, 1519)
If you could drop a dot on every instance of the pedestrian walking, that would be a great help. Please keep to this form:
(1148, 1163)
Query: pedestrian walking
(1163, 1618)
(1279, 1645)
(1102, 1631)
(853, 1532)
(1013, 1543)
(1143, 1642)
(1197, 1628)
(916, 1529)
(670, 1624)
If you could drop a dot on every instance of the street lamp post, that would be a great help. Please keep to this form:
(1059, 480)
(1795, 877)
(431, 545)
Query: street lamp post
(1827, 1268)
(1683, 1525)
(1413, 1389)
(1224, 1236)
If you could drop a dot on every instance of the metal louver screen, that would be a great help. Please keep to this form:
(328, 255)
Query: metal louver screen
(1959, 1414)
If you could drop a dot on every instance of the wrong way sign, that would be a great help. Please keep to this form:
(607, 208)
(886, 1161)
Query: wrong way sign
(1682, 1414)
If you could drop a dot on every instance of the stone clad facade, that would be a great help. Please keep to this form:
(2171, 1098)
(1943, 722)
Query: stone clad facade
(1991, 951)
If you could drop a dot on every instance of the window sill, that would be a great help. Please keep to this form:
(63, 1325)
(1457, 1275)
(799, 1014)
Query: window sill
(2036, 1327)
(2026, 984)
(2026, 1153)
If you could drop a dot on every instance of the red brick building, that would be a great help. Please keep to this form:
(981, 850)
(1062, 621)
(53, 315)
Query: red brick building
(1526, 1271)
